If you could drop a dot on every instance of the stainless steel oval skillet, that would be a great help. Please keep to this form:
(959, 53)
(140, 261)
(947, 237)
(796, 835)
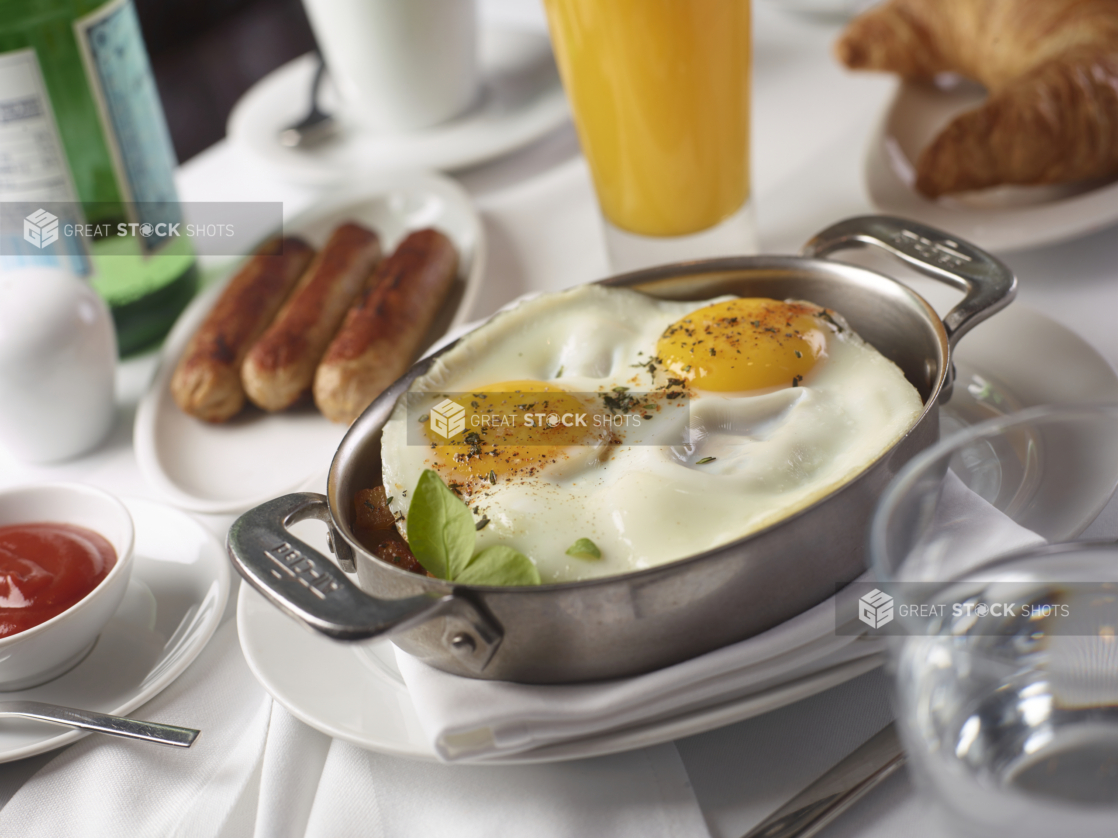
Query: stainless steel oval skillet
(636, 622)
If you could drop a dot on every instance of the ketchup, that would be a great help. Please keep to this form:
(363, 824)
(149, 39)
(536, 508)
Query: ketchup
(45, 568)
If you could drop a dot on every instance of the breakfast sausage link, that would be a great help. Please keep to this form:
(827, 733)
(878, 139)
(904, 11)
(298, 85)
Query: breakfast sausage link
(207, 381)
(385, 330)
(280, 366)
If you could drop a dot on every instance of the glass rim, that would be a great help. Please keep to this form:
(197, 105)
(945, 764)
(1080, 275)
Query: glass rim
(900, 485)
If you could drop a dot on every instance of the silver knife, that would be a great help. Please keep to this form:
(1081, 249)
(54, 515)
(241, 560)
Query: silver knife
(837, 790)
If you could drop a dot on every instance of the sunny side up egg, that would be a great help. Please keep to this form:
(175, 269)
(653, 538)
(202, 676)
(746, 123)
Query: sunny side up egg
(728, 415)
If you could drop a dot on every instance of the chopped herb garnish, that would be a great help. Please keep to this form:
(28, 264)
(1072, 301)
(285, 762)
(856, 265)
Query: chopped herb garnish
(799, 354)
(493, 477)
(826, 315)
(623, 402)
(796, 381)
(473, 440)
(482, 524)
(705, 460)
(422, 419)
(584, 548)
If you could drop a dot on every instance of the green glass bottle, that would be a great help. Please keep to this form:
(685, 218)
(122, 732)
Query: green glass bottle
(81, 125)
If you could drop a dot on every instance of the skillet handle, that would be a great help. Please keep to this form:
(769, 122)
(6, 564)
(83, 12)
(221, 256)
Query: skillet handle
(306, 585)
(990, 286)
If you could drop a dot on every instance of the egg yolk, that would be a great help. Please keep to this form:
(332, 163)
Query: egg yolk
(745, 344)
(514, 429)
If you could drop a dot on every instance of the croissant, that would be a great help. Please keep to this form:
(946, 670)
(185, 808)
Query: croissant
(1050, 68)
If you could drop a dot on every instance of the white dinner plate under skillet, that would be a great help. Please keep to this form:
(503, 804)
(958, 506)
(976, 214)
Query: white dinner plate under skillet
(521, 100)
(174, 602)
(256, 456)
(1016, 359)
(1000, 219)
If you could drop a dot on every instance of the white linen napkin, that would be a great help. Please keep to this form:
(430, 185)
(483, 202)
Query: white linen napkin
(258, 772)
(466, 719)
(472, 720)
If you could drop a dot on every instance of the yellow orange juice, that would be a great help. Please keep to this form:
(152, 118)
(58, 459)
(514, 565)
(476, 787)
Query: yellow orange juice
(660, 93)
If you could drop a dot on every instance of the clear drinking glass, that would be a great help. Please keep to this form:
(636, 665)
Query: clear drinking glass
(660, 94)
(1004, 646)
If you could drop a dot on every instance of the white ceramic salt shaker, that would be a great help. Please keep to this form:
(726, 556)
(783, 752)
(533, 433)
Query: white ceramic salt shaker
(57, 363)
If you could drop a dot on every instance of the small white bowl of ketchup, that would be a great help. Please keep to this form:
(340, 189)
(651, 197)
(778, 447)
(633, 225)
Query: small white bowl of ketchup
(65, 560)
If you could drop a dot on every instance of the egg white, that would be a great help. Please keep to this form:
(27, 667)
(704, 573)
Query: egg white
(775, 451)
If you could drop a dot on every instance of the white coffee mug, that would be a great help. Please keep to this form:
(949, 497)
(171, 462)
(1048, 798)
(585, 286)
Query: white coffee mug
(57, 365)
(399, 65)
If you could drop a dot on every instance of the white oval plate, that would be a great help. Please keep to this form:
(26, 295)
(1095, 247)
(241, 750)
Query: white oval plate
(233, 466)
(521, 101)
(1000, 219)
(174, 602)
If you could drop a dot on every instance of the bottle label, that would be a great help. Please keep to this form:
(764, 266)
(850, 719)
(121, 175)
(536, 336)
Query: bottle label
(124, 88)
(33, 165)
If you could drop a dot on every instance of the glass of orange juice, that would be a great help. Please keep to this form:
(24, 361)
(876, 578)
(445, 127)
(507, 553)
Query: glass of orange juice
(660, 95)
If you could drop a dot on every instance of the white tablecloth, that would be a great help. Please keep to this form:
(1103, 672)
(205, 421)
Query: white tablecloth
(277, 777)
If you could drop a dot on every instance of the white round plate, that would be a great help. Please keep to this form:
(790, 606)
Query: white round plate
(521, 101)
(999, 219)
(174, 602)
(355, 692)
(233, 466)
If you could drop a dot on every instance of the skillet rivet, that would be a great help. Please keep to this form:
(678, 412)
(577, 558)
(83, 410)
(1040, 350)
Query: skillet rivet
(463, 643)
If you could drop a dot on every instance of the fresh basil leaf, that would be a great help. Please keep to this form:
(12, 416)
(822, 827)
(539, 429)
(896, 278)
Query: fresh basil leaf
(584, 548)
(499, 565)
(440, 527)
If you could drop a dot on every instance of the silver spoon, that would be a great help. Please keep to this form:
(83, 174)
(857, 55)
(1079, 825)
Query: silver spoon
(180, 737)
(317, 125)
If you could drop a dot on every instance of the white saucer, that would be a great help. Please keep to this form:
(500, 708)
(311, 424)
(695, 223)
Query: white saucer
(521, 101)
(256, 456)
(174, 602)
(1000, 219)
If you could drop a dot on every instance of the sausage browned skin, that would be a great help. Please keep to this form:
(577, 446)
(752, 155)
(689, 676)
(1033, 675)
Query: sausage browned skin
(280, 366)
(383, 333)
(207, 380)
